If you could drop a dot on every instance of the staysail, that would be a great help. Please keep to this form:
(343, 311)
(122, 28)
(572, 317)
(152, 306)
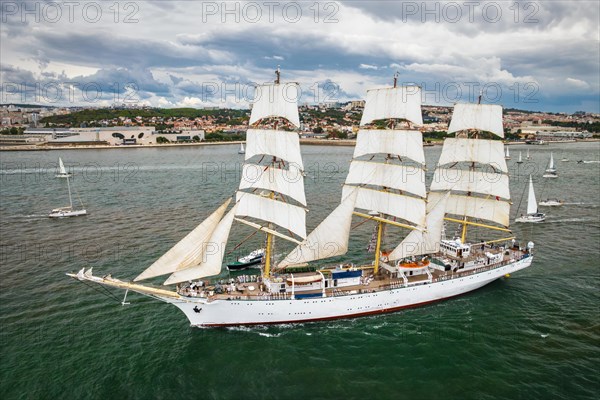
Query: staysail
(213, 251)
(329, 239)
(424, 242)
(188, 251)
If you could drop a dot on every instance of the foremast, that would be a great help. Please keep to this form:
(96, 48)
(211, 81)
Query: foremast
(474, 170)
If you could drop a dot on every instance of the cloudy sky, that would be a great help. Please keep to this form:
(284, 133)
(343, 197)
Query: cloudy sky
(529, 55)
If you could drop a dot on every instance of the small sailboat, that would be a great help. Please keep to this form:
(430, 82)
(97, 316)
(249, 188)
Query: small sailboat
(251, 259)
(241, 150)
(68, 211)
(564, 159)
(62, 170)
(551, 170)
(520, 158)
(551, 203)
(507, 154)
(532, 207)
(527, 157)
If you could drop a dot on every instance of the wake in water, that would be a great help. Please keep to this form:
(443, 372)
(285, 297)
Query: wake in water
(550, 221)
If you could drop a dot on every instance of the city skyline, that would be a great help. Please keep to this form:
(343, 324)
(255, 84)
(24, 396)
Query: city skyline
(526, 55)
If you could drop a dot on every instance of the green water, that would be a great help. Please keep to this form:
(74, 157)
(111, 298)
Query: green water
(535, 335)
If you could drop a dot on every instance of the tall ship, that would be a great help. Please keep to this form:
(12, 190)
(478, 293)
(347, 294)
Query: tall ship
(384, 190)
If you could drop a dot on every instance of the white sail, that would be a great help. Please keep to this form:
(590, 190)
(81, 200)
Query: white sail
(276, 100)
(532, 206)
(188, 251)
(403, 102)
(507, 152)
(213, 252)
(488, 209)
(484, 117)
(488, 183)
(406, 178)
(329, 239)
(424, 242)
(520, 157)
(281, 144)
(397, 142)
(481, 151)
(63, 170)
(289, 182)
(287, 216)
(551, 164)
(408, 208)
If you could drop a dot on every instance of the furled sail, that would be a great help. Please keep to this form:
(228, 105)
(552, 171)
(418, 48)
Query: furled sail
(402, 143)
(188, 251)
(281, 144)
(483, 117)
(532, 207)
(289, 182)
(276, 100)
(329, 239)
(424, 242)
(213, 252)
(287, 216)
(403, 102)
(480, 151)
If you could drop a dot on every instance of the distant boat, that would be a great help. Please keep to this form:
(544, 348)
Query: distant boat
(532, 208)
(62, 170)
(68, 211)
(551, 203)
(527, 154)
(251, 259)
(551, 170)
(241, 150)
(520, 158)
(507, 154)
(564, 159)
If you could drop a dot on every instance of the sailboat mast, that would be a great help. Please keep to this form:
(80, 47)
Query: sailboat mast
(267, 271)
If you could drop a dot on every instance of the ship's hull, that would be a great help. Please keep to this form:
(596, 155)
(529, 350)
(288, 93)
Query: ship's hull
(257, 312)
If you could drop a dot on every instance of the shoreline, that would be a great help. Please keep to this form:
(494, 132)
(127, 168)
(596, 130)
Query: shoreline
(307, 142)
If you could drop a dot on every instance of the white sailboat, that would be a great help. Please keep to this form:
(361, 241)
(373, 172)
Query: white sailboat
(62, 170)
(68, 211)
(527, 155)
(507, 154)
(551, 170)
(532, 207)
(241, 150)
(379, 189)
(520, 161)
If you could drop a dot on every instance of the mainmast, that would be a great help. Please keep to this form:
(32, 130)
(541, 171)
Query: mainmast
(395, 186)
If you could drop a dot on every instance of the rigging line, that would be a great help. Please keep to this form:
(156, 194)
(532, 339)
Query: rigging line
(109, 295)
(242, 242)
(521, 200)
(360, 223)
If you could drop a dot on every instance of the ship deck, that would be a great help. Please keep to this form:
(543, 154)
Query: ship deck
(383, 281)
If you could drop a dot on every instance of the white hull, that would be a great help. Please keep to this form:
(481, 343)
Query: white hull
(549, 175)
(531, 218)
(200, 312)
(62, 175)
(550, 203)
(66, 213)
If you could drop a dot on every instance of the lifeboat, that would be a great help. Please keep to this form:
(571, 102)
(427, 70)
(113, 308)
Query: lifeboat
(304, 279)
(414, 265)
